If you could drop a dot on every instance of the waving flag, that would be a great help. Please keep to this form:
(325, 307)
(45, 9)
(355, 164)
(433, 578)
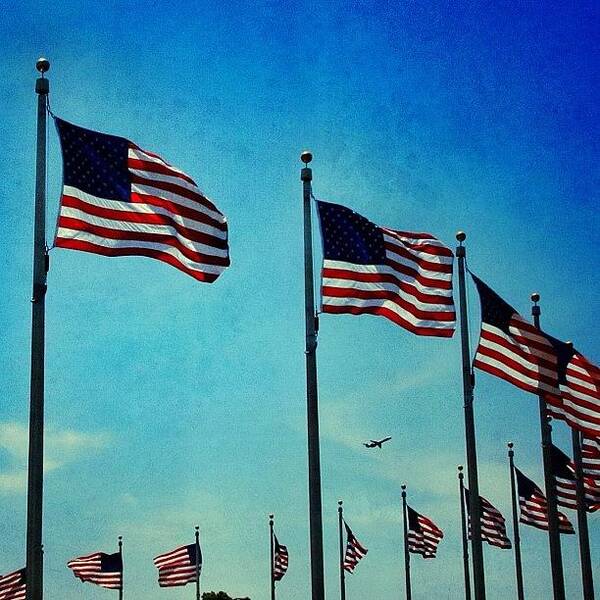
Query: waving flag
(423, 534)
(120, 200)
(178, 567)
(563, 470)
(99, 568)
(405, 277)
(534, 506)
(13, 586)
(280, 560)
(493, 524)
(355, 551)
(590, 457)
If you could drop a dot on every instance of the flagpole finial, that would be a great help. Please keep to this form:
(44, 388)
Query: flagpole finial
(461, 475)
(510, 445)
(197, 528)
(340, 502)
(461, 236)
(403, 487)
(306, 157)
(42, 65)
(535, 297)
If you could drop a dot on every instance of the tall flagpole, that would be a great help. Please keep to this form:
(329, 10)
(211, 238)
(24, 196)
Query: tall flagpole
(35, 483)
(312, 403)
(272, 557)
(197, 562)
(584, 536)
(406, 553)
(558, 580)
(468, 385)
(122, 568)
(516, 535)
(465, 543)
(342, 574)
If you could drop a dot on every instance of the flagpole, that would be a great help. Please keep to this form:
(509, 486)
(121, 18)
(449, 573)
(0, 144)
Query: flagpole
(516, 535)
(406, 553)
(342, 574)
(558, 581)
(35, 477)
(122, 569)
(312, 404)
(197, 562)
(465, 543)
(272, 558)
(584, 536)
(468, 385)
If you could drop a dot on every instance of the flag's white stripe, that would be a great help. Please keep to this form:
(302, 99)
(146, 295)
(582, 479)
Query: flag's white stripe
(352, 284)
(392, 306)
(132, 244)
(415, 266)
(386, 270)
(139, 154)
(134, 227)
(161, 177)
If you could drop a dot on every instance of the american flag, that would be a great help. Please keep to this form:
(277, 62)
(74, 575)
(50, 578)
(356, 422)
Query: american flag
(354, 550)
(405, 277)
(423, 534)
(178, 567)
(102, 569)
(563, 470)
(493, 524)
(590, 457)
(280, 560)
(534, 506)
(120, 200)
(515, 350)
(13, 586)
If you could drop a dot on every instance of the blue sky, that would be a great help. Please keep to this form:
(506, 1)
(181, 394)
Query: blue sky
(171, 403)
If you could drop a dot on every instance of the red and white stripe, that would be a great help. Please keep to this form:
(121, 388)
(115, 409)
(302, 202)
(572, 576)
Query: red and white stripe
(13, 586)
(355, 551)
(578, 401)
(590, 458)
(167, 217)
(425, 542)
(280, 561)
(493, 525)
(534, 512)
(524, 358)
(413, 288)
(175, 568)
(88, 568)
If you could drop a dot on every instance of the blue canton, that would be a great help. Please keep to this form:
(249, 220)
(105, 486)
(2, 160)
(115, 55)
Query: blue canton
(94, 163)
(349, 237)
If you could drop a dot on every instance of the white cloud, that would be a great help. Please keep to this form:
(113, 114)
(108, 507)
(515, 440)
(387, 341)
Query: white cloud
(62, 446)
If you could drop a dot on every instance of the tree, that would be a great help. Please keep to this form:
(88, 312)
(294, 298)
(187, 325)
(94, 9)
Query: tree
(220, 596)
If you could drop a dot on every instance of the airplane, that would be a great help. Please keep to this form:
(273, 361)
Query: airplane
(375, 443)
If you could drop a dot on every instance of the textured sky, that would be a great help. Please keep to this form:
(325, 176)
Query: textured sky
(171, 403)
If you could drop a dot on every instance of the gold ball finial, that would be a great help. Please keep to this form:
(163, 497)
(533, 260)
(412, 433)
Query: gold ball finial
(510, 444)
(460, 467)
(42, 64)
(535, 297)
(306, 157)
(461, 236)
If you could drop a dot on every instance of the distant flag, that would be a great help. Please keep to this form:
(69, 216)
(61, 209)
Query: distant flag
(178, 567)
(534, 506)
(515, 350)
(423, 534)
(355, 551)
(280, 560)
(563, 470)
(590, 457)
(13, 586)
(403, 276)
(120, 200)
(99, 568)
(493, 524)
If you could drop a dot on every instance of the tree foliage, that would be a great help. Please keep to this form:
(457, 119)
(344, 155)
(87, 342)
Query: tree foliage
(220, 596)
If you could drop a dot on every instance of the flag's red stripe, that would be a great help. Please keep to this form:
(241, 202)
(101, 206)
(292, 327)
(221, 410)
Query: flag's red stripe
(391, 315)
(421, 262)
(152, 167)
